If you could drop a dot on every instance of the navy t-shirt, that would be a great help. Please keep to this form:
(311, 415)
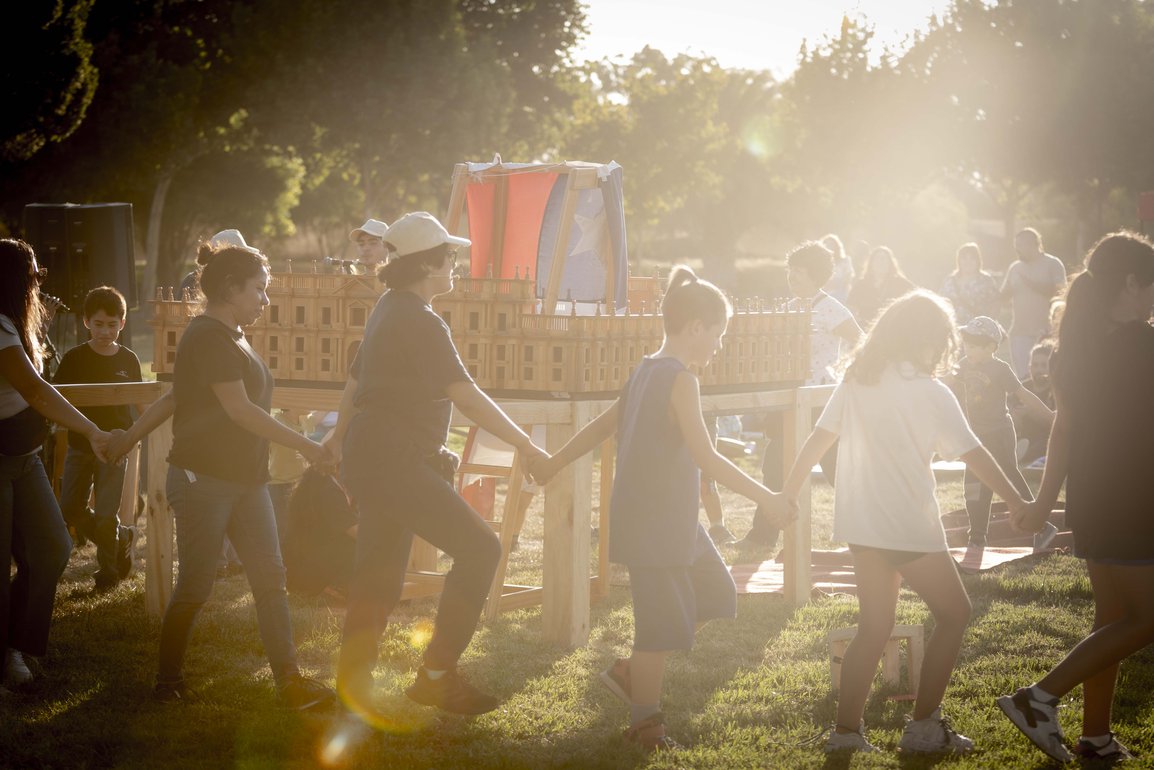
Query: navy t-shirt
(83, 365)
(204, 438)
(656, 489)
(1111, 451)
(403, 368)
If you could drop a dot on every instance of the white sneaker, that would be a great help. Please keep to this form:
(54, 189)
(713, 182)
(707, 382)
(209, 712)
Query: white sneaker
(933, 735)
(1046, 536)
(16, 671)
(854, 741)
(1038, 721)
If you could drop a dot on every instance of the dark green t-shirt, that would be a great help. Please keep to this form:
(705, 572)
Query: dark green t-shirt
(204, 438)
(985, 387)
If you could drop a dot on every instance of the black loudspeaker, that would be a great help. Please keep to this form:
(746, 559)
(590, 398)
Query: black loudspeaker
(83, 246)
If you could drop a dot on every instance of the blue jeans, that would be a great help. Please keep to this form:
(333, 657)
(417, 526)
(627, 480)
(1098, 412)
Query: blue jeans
(83, 473)
(398, 494)
(206, 509)
(32, 533)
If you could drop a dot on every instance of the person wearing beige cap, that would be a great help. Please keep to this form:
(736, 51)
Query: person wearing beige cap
(983, 385)
(369, 239)
(404, 383)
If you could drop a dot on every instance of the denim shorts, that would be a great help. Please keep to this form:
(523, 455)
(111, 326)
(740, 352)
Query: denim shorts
(669, 602)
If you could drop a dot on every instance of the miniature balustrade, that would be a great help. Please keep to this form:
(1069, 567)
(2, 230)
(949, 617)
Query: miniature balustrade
(315, 322)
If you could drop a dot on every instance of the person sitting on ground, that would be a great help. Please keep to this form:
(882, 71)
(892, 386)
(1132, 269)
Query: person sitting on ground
(984, 383)
(101, 359)
(32, 530)
(1033, 433)
(676, 576)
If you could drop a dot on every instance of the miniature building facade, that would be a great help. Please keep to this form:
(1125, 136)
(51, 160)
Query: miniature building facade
(315, 323)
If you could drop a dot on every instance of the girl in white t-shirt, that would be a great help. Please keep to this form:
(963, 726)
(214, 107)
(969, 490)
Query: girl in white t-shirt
(891, 416)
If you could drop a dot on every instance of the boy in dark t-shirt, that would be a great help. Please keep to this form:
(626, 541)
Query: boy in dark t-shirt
(101, 359)
(983, 384)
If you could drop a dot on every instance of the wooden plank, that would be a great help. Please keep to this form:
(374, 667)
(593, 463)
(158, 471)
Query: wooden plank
(112, 393)
(158, 568)
(568, 504)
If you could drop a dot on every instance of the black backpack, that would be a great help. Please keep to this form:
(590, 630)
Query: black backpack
(318, 551)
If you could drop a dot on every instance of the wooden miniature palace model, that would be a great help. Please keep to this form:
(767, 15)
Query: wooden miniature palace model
(547, 309)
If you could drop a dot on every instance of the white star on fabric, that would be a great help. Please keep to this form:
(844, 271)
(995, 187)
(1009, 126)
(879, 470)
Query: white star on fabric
(592, 233)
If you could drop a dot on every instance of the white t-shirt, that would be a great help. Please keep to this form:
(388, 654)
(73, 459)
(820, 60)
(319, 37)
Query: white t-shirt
(824, 346)
(889, 434)
(1032, 309)
(11, 402)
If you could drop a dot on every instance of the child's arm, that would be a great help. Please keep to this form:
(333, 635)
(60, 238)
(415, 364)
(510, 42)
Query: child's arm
(157, 412)
(811, 453)
(986, 468)
(686, 402)
(585, 440)
(334, 441)
(849, 331)
(1033, 405)
(1031, 518)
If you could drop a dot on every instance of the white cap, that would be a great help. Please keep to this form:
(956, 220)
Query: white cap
(230, 238)
(419, 231)
(374, 227)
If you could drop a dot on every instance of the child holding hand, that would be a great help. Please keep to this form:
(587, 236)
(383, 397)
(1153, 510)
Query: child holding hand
(891, 415)
(676, 576)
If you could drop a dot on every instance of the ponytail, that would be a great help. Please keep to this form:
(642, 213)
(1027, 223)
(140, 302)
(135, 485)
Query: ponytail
(688, 298)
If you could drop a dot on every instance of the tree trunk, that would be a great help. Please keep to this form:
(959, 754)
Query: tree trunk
(152, 239)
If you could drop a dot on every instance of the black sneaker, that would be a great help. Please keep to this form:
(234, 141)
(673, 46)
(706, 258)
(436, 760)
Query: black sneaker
(304, 694)
(124, 551)
(104, 582)
(173, 692)
(451, 692)
(1110, 753)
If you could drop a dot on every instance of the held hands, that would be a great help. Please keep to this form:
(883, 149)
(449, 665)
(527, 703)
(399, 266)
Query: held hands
(320, 454)
(781, 510)
(1029, 517)
(99, 440)
(332, 443)
(538, 465)
(119, 445)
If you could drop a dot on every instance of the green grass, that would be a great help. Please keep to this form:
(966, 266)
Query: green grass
(750, 691)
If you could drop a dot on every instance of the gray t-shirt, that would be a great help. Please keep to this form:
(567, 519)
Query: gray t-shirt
(11, 402)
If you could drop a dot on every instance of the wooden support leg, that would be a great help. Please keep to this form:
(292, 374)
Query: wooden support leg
(568, 508)
(158, 574)
(797, 577)
(510, 526)
(608, 458)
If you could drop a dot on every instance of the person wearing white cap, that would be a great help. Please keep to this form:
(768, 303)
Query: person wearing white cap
(230, 237)
(394, 418)
(370, 241)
